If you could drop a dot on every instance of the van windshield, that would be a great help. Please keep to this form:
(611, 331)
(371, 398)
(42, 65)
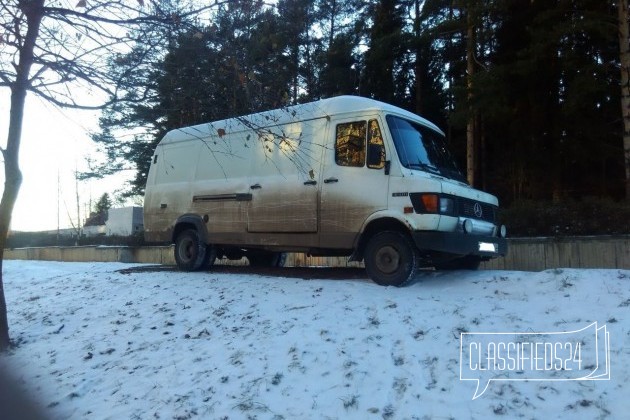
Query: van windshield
(420, 147)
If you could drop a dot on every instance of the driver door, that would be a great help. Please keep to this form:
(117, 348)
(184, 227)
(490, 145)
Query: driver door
(354, 181)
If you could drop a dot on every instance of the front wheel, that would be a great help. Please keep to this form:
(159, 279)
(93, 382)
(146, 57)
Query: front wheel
(391, 259)
(190, 251)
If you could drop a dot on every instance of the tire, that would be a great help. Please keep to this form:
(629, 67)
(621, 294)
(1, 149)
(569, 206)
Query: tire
(391, 259)
(266, 259)
(190, 251)
(469, 262)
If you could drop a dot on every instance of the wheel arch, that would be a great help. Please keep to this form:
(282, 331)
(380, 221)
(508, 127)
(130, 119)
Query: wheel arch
(190, 221)
(380, 224)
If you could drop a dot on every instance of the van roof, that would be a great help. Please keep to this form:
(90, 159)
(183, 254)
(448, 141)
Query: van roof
(323, 108)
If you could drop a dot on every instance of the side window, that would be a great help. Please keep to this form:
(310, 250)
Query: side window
(376, 148)
(350, 143)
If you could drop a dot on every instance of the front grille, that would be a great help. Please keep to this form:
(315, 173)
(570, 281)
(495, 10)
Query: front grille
(472, 209)
(463, 207)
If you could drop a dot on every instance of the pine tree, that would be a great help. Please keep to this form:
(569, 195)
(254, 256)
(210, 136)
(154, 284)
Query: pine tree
(385, 50)
(238, 65)
(339, 75)
(103, 204)
(337, 58)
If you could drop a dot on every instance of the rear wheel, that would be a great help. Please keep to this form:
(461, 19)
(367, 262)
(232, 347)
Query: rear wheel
(391, 259)
(190, 251)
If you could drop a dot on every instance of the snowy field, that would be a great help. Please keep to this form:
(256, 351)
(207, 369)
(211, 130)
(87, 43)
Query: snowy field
(98, 342)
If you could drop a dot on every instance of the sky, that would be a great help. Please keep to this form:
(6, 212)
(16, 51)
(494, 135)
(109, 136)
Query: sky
(55, 142)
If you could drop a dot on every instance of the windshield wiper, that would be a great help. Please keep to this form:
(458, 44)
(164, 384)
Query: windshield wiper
(424, 166)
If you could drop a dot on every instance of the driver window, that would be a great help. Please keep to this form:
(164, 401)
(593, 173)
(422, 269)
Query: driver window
(350, 144)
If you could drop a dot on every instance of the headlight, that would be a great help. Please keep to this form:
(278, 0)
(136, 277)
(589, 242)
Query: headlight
(447, 205)
(432, 203)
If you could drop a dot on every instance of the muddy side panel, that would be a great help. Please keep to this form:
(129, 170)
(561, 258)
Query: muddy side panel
(285, 178)
(221, 189)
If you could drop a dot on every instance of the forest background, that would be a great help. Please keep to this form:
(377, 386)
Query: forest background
(528, 91)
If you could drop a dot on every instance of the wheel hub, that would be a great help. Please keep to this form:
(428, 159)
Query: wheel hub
(186, 251)
(387, 259)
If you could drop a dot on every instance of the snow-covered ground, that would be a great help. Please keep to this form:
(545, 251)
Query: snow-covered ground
(95, 342)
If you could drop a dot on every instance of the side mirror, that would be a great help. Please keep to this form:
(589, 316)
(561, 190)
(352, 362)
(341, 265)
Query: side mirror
(375, 156)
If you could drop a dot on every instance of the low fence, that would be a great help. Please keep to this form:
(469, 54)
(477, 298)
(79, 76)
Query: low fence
(527, 254)
(536, 254)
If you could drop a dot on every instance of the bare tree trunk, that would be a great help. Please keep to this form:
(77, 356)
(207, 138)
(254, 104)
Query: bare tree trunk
(333, 18)
(76, 191)
(624, 58)
(33, 11)
(417, 68)
(451, 81)
(13, 180)
(483, 154)
(470, 71)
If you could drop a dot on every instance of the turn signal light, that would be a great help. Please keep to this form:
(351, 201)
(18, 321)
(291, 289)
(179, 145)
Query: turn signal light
(430, 202)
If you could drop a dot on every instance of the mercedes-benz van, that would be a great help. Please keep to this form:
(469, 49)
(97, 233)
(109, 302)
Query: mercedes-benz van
(345, 176)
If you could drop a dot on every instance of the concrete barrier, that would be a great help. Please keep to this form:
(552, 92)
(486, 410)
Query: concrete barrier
(527, 254)
(536, 254)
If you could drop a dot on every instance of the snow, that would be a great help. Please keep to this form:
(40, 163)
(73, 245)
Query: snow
(95, 342)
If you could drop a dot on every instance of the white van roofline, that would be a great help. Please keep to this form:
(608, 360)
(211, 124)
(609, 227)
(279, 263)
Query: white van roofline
(323, 108)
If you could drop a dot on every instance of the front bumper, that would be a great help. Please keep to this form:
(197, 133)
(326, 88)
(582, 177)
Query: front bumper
(460, 243)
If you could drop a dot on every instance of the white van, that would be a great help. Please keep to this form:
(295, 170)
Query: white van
(343, 176)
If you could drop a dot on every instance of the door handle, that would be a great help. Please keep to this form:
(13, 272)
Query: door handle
(310, 182)
(255, 187)
(330, 180)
